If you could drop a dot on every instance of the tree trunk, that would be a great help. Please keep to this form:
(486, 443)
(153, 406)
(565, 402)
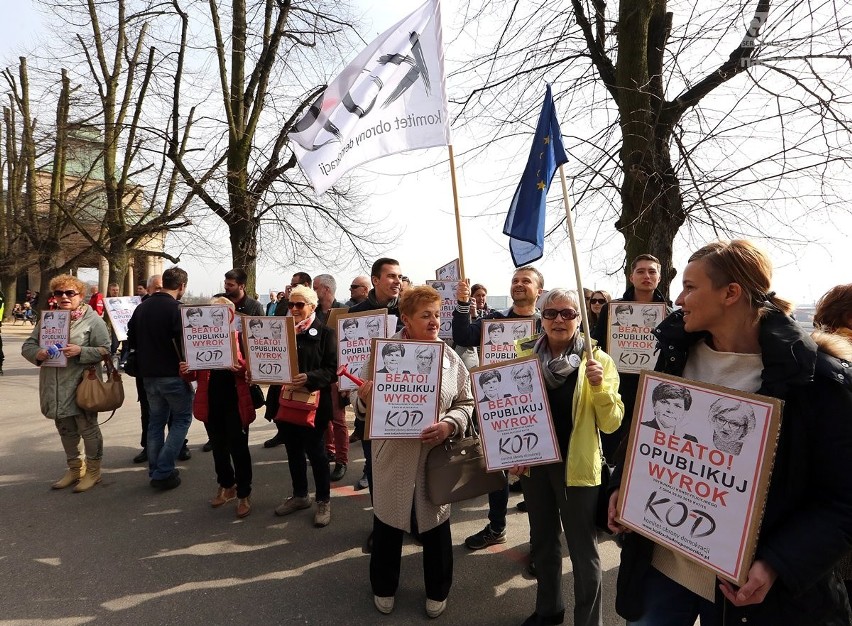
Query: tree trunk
(243, 235)
(652, 206)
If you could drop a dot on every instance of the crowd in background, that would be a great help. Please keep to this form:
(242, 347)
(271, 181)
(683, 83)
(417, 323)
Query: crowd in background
(728, 328)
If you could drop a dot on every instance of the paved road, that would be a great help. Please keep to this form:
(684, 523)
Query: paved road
(124, 554)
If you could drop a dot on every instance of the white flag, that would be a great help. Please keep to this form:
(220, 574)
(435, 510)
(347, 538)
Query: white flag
(390, 98)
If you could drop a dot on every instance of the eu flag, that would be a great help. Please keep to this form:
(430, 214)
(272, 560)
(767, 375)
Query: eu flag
(525, 221)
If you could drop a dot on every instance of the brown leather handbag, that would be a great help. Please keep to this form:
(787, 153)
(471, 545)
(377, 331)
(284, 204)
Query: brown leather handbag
(97, 395)
(455, 471)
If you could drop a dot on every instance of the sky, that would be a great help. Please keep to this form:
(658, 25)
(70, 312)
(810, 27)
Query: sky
(411, 193)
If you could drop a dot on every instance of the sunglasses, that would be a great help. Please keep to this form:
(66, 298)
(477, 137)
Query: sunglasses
(356, 286)
(597, 300)
(566, 314)
(296, 305)
(68, 293)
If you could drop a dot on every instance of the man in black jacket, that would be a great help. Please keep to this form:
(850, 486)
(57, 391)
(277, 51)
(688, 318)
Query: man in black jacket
(387, 281)
(527, 283)
(235, 291)
(155, 332)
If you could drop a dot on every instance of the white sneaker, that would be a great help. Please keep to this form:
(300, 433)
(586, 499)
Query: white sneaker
(322, 517)
(434, 608)
(384, 605)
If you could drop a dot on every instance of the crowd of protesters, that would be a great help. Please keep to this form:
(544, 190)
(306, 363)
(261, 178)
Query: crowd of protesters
(727, 328)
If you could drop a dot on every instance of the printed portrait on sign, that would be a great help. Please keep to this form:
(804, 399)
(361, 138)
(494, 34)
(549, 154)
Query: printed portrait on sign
(631, 341)
(406, 379)
(514, 416)
(270, 348)
(697, 468)
(491, 384)
(392, 357)
(499, 336)
(450, 271)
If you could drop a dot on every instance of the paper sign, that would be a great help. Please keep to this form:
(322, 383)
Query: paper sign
(514, 415)
(208, 341)
(406, 387)
(697, 470)
(54, 328)
(447, 291)
(270, 347)
(498, 338)
(356, 332)
(119, 311)
(630, 342)
(450, 271)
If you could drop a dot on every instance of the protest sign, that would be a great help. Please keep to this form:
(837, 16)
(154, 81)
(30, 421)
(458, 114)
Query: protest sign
(447, 291)
(450, 271)
(119, 311)
(208, 343)
(514, 415)
(356, 332)
(630, 340)
(406, 385)
(270, 347)
(54, 329)
(498, 338)
(697, 470)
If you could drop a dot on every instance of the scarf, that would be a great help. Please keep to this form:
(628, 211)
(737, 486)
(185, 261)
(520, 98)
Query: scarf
(79, 312)
(306, 323)
(371, 298)
(556, 370)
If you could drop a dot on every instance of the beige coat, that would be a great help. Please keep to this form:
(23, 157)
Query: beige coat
(399, 465)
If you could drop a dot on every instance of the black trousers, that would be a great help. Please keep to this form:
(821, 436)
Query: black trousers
(231, 456)
(386, 558)
(302, 441)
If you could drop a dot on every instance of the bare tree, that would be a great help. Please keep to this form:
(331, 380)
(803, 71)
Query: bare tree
(727, 119)
(119, 68)
(249, 178)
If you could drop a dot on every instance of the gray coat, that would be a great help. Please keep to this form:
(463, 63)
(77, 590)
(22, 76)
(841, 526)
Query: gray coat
(57, 386)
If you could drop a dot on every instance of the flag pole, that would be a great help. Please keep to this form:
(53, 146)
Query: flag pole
(458, 216)
(584, 317)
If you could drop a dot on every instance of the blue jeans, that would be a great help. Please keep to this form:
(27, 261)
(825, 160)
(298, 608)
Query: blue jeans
(669, 604)
(168, 395)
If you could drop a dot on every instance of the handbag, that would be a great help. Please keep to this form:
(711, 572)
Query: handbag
(455, 471)
(96, 395)
(257, 398)
(297, 407)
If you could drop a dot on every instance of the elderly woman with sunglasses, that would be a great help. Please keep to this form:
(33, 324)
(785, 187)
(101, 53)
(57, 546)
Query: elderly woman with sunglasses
(88, 342)
(583, 397)
(316, 351)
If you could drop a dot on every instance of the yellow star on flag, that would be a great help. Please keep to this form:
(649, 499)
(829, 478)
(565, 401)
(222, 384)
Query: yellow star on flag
(547, 140)
(541, 185)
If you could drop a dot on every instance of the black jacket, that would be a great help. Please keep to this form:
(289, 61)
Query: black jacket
(807, 522)
(371, 304)
(469, 333)
(316, 351)
(155, 332)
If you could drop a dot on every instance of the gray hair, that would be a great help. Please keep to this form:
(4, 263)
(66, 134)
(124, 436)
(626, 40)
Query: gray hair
(561, 294)
(153, 279)
(327, 280)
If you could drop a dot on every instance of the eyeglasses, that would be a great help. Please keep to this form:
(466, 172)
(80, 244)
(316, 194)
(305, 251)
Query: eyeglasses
(68, 293)
(597, 300)
(296, 305)
(566, 314)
